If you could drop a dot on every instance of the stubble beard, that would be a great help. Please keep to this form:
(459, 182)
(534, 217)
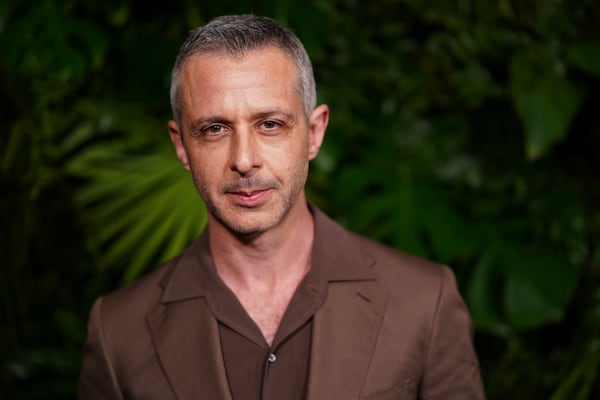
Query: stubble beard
(243, 221)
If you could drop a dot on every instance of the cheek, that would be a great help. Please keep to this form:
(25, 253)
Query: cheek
(204, 168)
(293, 148)
(288, 157)
(295, 162)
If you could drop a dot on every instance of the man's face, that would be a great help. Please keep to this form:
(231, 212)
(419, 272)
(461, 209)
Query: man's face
(245, 138)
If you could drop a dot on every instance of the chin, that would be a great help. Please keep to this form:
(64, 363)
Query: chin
(253, 224)
(249, 230)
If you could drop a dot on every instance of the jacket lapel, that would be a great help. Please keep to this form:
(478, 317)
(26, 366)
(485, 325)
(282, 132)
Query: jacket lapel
(346, 327)
(186, 339)
(184, 332)
(345, 331)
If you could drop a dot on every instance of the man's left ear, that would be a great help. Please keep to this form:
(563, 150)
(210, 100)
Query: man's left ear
(317, 125)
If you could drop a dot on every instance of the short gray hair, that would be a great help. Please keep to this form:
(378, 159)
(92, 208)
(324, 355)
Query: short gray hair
(236, 35)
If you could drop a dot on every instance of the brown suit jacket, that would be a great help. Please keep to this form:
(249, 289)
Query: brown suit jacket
(394, 328)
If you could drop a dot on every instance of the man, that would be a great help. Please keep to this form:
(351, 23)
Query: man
(274, 300)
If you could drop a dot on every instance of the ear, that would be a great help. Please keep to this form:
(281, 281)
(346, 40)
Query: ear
(177, 140)
(317, 125)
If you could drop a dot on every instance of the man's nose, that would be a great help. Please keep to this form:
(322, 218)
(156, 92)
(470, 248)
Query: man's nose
(245, 154)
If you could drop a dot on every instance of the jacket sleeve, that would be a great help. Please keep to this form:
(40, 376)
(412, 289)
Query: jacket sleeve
(451, 369)
(97, 380)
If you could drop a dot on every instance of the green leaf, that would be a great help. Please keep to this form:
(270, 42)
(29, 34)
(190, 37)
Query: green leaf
(545, 99)
(521, 287)
(526, 307)
(452, 237)
(539, 286)
(145, 202)
(586, 55)
(483, 290)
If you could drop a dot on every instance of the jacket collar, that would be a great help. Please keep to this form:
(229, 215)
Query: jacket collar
(191, 272)
(335, 255)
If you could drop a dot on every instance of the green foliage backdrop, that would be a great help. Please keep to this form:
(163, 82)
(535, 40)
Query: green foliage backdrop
(462, 130)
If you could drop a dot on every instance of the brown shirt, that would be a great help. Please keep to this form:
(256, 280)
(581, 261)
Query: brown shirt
(255, 370)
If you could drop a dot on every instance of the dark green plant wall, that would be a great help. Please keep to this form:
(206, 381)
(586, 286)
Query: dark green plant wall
(466, 131)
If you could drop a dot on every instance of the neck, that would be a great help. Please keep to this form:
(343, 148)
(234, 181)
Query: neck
(267, 261)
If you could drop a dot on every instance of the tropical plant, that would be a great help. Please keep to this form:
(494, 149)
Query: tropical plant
(464, 131)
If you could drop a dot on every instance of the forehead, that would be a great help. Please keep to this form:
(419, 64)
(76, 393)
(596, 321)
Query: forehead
(265, 63)
(257, 77)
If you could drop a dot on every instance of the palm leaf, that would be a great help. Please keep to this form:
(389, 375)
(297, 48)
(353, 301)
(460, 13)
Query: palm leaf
(139, 210)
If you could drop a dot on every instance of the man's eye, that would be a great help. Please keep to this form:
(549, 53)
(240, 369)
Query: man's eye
(213, 130)
(270, 125)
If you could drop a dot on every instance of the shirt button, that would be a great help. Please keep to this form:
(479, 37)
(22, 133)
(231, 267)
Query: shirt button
(272, 358)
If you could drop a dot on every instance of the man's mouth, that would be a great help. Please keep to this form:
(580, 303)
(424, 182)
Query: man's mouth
(249, 198)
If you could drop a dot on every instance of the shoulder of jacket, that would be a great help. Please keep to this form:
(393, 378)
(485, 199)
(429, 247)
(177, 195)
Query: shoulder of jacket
(398, 267)
(139, 296)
